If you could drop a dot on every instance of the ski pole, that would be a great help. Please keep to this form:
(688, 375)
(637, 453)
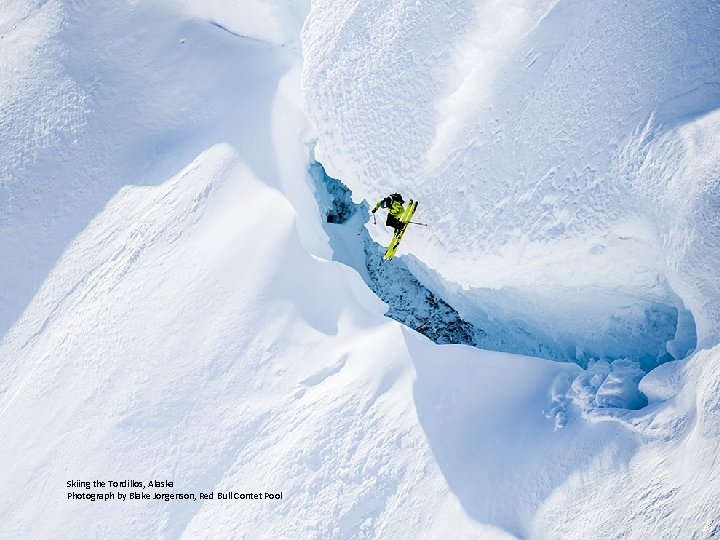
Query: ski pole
(418, 223)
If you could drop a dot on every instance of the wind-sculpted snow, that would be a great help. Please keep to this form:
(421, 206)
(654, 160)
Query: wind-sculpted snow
(170, 309)
(564, 146)
(674, 162)
(90, 103)
(668, 487)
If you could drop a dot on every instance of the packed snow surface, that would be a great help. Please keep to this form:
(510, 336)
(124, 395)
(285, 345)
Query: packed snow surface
(172, 308)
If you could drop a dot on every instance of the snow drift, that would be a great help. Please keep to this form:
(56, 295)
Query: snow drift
(170, 308)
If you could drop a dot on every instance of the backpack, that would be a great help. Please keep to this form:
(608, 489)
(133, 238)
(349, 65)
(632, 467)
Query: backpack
(387, 201)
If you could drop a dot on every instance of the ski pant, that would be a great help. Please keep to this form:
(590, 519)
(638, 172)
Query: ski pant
(394, 222)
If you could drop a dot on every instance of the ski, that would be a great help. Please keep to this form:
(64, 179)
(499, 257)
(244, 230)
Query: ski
(397, 236)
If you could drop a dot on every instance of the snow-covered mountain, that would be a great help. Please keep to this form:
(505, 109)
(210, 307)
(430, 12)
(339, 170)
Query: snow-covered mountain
(175, 306)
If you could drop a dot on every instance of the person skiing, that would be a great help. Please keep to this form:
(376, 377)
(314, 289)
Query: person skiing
(394, 204)
(398, 218)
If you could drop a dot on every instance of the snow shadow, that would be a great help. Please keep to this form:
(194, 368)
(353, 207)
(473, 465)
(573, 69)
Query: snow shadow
(688, 106)
(484, 422)
(574, 324)
(147, 103)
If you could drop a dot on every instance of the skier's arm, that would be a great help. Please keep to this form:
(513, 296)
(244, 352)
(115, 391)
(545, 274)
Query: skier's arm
(377, 205)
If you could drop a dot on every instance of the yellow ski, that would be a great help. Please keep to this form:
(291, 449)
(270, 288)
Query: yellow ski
(405, 218)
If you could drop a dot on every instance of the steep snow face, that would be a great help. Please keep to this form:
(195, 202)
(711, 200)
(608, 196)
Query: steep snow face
(172, 314)
(565, 154)
(100, 95)
(164, 344)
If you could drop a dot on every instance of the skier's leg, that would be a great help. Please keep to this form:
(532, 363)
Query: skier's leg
(394, 222)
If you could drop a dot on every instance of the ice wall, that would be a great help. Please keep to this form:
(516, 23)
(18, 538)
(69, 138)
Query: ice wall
(560, 146)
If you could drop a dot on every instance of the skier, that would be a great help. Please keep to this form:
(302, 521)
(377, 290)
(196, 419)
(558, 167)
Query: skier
(394, 204)
(398, 218)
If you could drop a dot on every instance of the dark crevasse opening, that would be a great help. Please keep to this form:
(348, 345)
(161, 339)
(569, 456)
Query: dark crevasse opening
(635, 340)
(408, 300)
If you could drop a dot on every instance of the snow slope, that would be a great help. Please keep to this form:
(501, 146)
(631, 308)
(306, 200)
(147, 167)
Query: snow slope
(170, 310)
(99, 96)
(565, 153)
